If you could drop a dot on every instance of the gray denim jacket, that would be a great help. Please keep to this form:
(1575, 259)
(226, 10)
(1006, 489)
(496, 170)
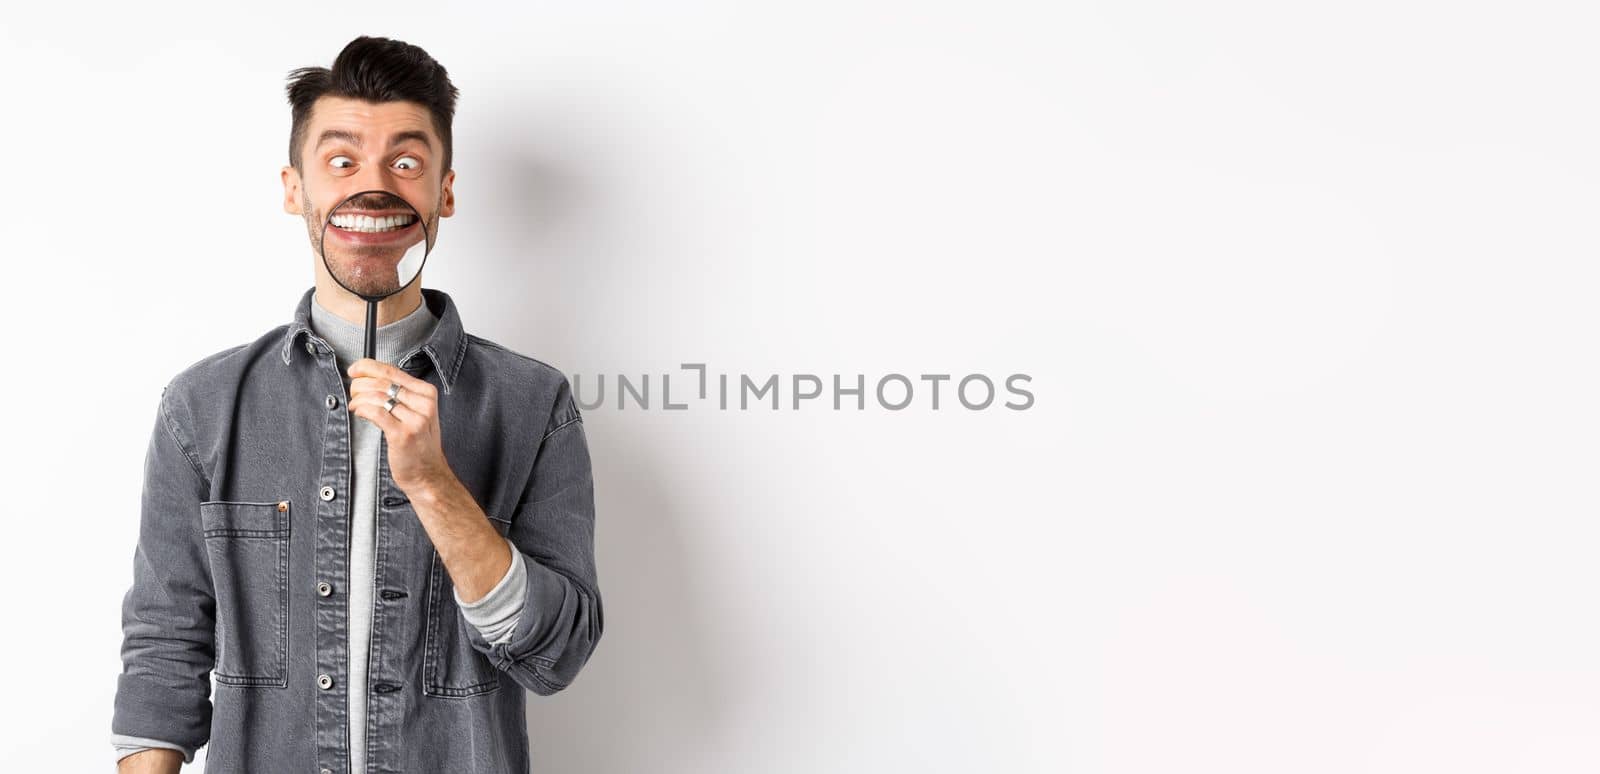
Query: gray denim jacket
(241, 565)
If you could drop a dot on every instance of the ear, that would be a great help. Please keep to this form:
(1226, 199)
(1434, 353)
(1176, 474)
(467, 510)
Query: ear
(447, 203)
(291, 190)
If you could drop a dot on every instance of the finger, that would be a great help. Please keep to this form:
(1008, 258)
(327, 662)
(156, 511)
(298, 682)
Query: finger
(408, 418)
(421, 401)
(373, 412)
(388, 372)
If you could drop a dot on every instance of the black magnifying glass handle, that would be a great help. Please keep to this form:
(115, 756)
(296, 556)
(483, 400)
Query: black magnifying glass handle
(370, 349)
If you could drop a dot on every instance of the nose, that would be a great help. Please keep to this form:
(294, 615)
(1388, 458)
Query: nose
(367, 179)
(373, 177)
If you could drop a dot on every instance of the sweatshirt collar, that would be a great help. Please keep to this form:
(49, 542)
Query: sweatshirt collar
(445, 346)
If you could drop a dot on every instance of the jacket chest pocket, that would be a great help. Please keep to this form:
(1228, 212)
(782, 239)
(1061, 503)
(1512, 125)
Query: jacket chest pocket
(248, 545)
(451, 667)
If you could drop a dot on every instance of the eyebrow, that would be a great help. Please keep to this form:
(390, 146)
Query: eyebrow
(355, 139)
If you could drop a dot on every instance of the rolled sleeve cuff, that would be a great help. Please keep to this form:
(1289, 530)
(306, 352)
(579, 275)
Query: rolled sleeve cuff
(554, 633)
(128, 745)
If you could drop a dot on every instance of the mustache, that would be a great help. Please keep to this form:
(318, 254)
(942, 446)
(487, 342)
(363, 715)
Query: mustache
(376, 201)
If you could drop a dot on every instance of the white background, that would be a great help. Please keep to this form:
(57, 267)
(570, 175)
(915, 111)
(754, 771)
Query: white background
(1307, 292)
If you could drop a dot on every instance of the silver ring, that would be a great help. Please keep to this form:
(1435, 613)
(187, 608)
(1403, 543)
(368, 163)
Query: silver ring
(394, 390)
(388, 405)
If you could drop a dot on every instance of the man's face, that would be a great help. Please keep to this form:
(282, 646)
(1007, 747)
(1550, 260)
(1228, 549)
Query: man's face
(352, 146)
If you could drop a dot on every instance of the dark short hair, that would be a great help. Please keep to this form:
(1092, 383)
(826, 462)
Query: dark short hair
(376, 70)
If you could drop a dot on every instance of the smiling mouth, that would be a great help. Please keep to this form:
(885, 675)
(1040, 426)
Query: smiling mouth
(372, 224)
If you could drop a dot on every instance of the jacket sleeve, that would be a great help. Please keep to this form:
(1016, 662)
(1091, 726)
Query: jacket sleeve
(553, 528)
(168, 613)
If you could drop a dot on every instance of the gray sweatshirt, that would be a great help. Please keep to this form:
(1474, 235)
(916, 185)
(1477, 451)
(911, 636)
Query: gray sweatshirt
(495, 616)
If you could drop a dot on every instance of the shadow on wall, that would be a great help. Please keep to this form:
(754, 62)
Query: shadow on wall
(649, 698)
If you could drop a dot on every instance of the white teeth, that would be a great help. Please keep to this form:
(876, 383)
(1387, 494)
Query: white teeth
(369, 224)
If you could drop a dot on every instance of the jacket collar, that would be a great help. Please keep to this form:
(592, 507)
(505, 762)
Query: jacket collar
(446, 345)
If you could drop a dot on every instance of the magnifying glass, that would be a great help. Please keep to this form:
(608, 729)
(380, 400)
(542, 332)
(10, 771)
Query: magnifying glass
(374, 244)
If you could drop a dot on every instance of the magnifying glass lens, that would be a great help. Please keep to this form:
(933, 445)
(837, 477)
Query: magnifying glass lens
(374, 244)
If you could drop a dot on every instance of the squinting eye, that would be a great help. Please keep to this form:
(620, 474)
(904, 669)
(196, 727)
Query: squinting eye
(408, 159)
(334, 161)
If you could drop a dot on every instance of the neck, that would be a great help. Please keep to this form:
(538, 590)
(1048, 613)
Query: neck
(348, 337)
(353, 308)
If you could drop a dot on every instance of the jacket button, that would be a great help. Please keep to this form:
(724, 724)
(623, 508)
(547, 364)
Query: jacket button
(324, 588)
(332, 401)
(283, 505)
(325, 771)
(324, 682)
(326, 493)
(311, 349)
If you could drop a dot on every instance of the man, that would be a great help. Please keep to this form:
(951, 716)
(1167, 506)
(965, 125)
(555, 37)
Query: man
(371, 557)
